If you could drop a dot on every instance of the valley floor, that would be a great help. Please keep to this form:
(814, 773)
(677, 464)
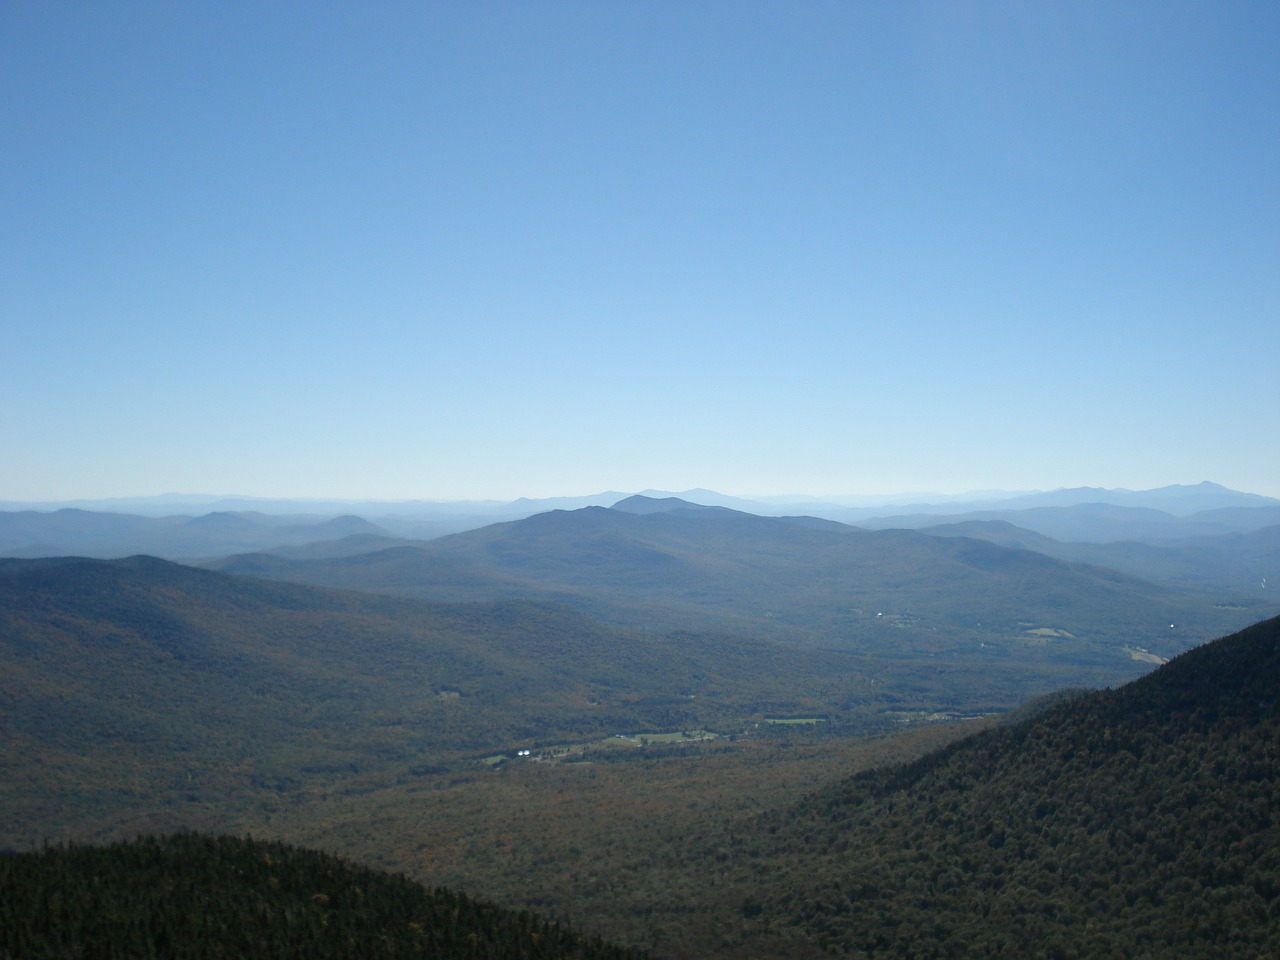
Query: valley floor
(577, 840)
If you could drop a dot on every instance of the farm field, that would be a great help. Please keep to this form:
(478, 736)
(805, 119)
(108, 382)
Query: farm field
(587, 750)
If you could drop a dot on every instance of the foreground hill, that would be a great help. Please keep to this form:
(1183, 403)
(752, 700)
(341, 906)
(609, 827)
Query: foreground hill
(1138, 822)
(663, 565)
(196, 896)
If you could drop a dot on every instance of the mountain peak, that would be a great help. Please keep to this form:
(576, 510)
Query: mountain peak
(639, 503)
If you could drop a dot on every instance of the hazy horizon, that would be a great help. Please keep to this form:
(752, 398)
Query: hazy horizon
(904, 498)
(445, 252)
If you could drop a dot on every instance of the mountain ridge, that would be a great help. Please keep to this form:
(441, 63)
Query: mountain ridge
(426, 519)
(813, 581)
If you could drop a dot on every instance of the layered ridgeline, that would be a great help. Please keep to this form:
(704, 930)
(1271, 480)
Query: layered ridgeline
(141, 695)
(1239, 562)
(183, 527)
(202, 896)
(105, 535)
(666, 564)
(1138, 822)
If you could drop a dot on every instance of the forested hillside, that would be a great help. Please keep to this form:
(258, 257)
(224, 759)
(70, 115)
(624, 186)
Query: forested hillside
(1139, 822)
(142, 695)
(192, 896)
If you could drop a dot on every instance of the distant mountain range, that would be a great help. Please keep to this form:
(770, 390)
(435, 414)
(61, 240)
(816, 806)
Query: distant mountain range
(664, 564)
(1244, 563)
(75, 532)
(1102, 522)
(33, 529)
(1177, 499)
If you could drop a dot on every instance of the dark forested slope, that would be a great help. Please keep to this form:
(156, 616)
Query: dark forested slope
(192, 896)
(1138, 822)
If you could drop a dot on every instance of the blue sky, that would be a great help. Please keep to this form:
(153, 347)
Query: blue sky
(448, 250)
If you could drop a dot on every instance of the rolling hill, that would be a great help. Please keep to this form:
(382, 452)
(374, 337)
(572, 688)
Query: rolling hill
(1241, 563)
(660, 565)
(142, 695)
(74, 532)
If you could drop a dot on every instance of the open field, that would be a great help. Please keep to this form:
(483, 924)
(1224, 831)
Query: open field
(586, 750)
(785, 721)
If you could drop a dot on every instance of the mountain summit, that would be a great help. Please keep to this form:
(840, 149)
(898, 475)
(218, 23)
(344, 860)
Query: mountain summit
(641, 504)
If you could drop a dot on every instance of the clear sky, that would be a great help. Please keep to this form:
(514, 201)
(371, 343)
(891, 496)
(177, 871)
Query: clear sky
(460, 250)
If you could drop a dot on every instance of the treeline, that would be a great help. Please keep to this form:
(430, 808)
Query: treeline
(199, 896)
